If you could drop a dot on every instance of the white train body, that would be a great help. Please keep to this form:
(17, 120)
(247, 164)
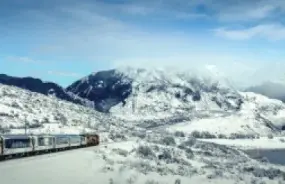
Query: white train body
(13, 144)
(44, 142)
(26, 144)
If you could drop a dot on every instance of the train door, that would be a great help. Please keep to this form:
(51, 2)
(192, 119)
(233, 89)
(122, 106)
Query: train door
(33, 142)
(1, 146)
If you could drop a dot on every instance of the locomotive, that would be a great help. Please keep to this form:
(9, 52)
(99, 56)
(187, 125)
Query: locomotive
(26, 145)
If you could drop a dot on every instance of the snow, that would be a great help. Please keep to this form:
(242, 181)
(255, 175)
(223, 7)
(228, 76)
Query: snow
(226, 125)
(45, 114)
(245, 144)
(107, 163)
(138, 141)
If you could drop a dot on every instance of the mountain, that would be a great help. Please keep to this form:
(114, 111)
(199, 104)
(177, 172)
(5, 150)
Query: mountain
(178, 100)
(105, 88)
(45, 113)
(271, 89)
(46, 88)
(132, 152)
(110, 88)
(157, 98)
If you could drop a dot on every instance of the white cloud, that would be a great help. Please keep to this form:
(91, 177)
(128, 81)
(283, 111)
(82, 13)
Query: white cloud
(21, 59)
(267, 31)
(99, 34)
(64, 74)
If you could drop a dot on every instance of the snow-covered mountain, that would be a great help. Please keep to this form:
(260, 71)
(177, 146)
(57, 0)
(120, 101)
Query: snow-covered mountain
(41, 113)
(177, 100)
(104, 88)
(137, 151)
(45, 88)
(197, 103)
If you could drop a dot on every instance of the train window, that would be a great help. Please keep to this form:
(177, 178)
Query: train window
(62, 140)
(45, 141)
(1, 143)
(17, 143)
(50, 142)
(41, 141)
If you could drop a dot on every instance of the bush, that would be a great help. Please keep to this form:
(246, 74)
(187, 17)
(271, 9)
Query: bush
(270, 136)
(165, 155)
(179, 134)
(270, 173)
(145, 151)
(242, 136)
(177, 181)
(151, 182)
(203, 135)
(121, 152)
(169, 141)
(117, 136)
(222, 136)
(196, 134)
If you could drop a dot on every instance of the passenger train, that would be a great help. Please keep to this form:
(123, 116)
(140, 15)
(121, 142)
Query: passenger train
(12, 146)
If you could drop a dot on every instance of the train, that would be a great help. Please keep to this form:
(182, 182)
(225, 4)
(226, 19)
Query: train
(12, 146)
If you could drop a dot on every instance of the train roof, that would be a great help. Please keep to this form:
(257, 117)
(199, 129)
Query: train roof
(16, 136)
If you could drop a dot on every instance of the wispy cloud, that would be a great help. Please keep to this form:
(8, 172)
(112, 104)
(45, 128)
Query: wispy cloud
(64, 74)
(22, 59)
(268, 31)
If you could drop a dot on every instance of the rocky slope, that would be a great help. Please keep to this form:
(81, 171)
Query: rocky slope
(105, 88)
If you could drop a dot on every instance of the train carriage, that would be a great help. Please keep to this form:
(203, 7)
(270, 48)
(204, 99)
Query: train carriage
(16, 144)
(62, 141)
(44, 142)
(26, 145)
(75, 140)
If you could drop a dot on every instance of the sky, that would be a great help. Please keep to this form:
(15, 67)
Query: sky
(63, 40)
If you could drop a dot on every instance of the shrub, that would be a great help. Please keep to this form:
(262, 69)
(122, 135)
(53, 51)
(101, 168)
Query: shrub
(177, 181)
(179, 134)
(222, 136)
(121, 152)
(165, 155)
(151, 182)
(270, 136)
(169, 141)
(203, 135)
(145, 151)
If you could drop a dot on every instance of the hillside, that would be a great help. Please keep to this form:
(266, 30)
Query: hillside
(45, 88)
(192, 103)
(105, 88)
(18, 106)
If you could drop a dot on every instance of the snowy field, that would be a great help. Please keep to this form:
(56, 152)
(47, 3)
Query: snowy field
(142, 163)
(245, 144)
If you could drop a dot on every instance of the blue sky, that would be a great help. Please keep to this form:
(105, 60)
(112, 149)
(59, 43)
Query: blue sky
(63, 40)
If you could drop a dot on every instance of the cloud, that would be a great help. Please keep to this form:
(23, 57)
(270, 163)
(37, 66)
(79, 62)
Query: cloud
(64, 74)
(156, 33)
(271, 89)
(268, 31)
(22, 59)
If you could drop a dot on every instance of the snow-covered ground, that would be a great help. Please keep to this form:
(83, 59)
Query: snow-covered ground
(142, 163)
(245, 144)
